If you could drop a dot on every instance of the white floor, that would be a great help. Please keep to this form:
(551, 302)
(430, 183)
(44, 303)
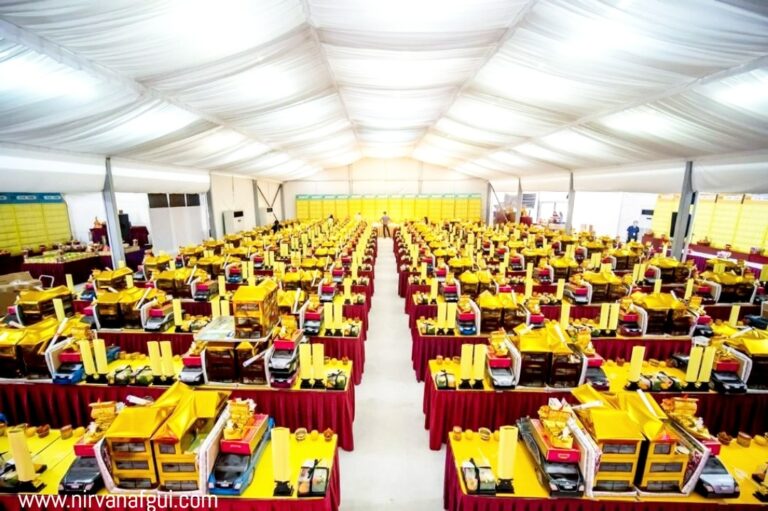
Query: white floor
(392, 467)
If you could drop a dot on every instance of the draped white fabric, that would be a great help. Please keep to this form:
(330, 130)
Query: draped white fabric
(492, 88)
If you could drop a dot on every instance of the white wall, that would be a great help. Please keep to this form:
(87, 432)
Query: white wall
(232, 193)
(83, 207)
(610, 213)
(386, 177)
(270, 190)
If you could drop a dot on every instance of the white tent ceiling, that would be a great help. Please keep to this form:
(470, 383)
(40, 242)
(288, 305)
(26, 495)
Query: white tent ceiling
(284, 88)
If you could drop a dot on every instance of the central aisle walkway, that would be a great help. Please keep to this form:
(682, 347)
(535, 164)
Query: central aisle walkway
(392, 467)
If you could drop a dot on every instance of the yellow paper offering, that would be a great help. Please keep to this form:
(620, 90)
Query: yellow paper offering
(465, 368)
(657, 286)
(560, 289)
(529, 271)
(606, 268)
(166, 356)
(636, 272)
(565, 315)
(17, 443)
(478, 362)
(58, 307)
(305, 361)
(318, 361)
(613, 317)
(153, 348)
(733, 319)
(688, 289)
(281, 454)
(222, 285)
(442, 309)
(215, 310)
(100, 355)
(87, 357)
(636, 363)
(694, 364)
(178, 316)
(338, 316)
(129, 281)
(528, 288)
(224, 307)
(604, 312)
(70, 282)
(507, 452)
(450, 315)
(707, 364)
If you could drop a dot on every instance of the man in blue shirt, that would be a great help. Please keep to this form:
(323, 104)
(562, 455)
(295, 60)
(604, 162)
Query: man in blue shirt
(633, 231)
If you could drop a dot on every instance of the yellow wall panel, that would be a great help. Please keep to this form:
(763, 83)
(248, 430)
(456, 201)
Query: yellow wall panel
(447, 207)
(753, 225)
(302, 209)
(726, 219)
(409, 203)
(662, 214)
(395, 208)
(474, 209)
(705, 210)
(435, 211)
(421, 207)
(355, 205)
(342, 207)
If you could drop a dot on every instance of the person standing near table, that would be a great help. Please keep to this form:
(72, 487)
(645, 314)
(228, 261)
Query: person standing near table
(633, 231)
(385, 225)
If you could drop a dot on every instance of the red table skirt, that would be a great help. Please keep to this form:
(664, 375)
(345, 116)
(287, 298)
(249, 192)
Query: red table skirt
(427, 347)
(402, 282)
(330, 502)
(548, 311)
(351, 347)
(410, 290)
(473, 409)
(456, 500)
(59, 405)
(79, 269)
(136, 342)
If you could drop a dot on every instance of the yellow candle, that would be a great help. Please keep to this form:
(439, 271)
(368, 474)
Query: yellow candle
(528, 288)
(636, 272)
(560, 289)
(565, 315)
(613, 317)
(283, 250)
(25, 468)
(58, 307)
(129, 281)
(305, 361)
(707, 364)
(318, 361)
(442, 308)
(528, 271)
(595, 260)
(224, 307)
(636, 363)
(657, 286)
(166, 355)
(688, 289)
(423, 270)
(70, 282)
(222, 285)
(465, 368)
(154, 358)
(694, 364)
(347, 288)
(251, 280)
(478, 362)
(178, 316)
(338, 315)
(733, 319)
(507, 451)
(328, 315)
(249, 267)
(506, 258)
(604, 312)
(87, 356)
(281, 454)
(100, 354)
(433, 289)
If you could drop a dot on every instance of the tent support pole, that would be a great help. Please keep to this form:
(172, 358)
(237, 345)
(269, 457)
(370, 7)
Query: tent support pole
(211, 220)
(282, 201)
(113, 220)
(519, 209)
(489, 190)
(679, 235)
(571, 200)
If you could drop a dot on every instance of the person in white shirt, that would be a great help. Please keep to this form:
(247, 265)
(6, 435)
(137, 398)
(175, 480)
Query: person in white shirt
(358, 217)
(385, 225)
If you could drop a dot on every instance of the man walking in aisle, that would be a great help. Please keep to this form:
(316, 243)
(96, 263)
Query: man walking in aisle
(385, 225)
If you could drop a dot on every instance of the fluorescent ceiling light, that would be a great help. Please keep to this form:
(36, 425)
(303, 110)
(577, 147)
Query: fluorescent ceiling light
(638, 120)
(43, 77)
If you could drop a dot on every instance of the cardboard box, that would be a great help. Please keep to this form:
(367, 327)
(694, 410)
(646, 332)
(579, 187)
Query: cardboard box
(12, 283)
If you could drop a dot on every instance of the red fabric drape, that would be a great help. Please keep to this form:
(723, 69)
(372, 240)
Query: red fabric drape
(79, 269)
(58, 405)
(473, 409)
